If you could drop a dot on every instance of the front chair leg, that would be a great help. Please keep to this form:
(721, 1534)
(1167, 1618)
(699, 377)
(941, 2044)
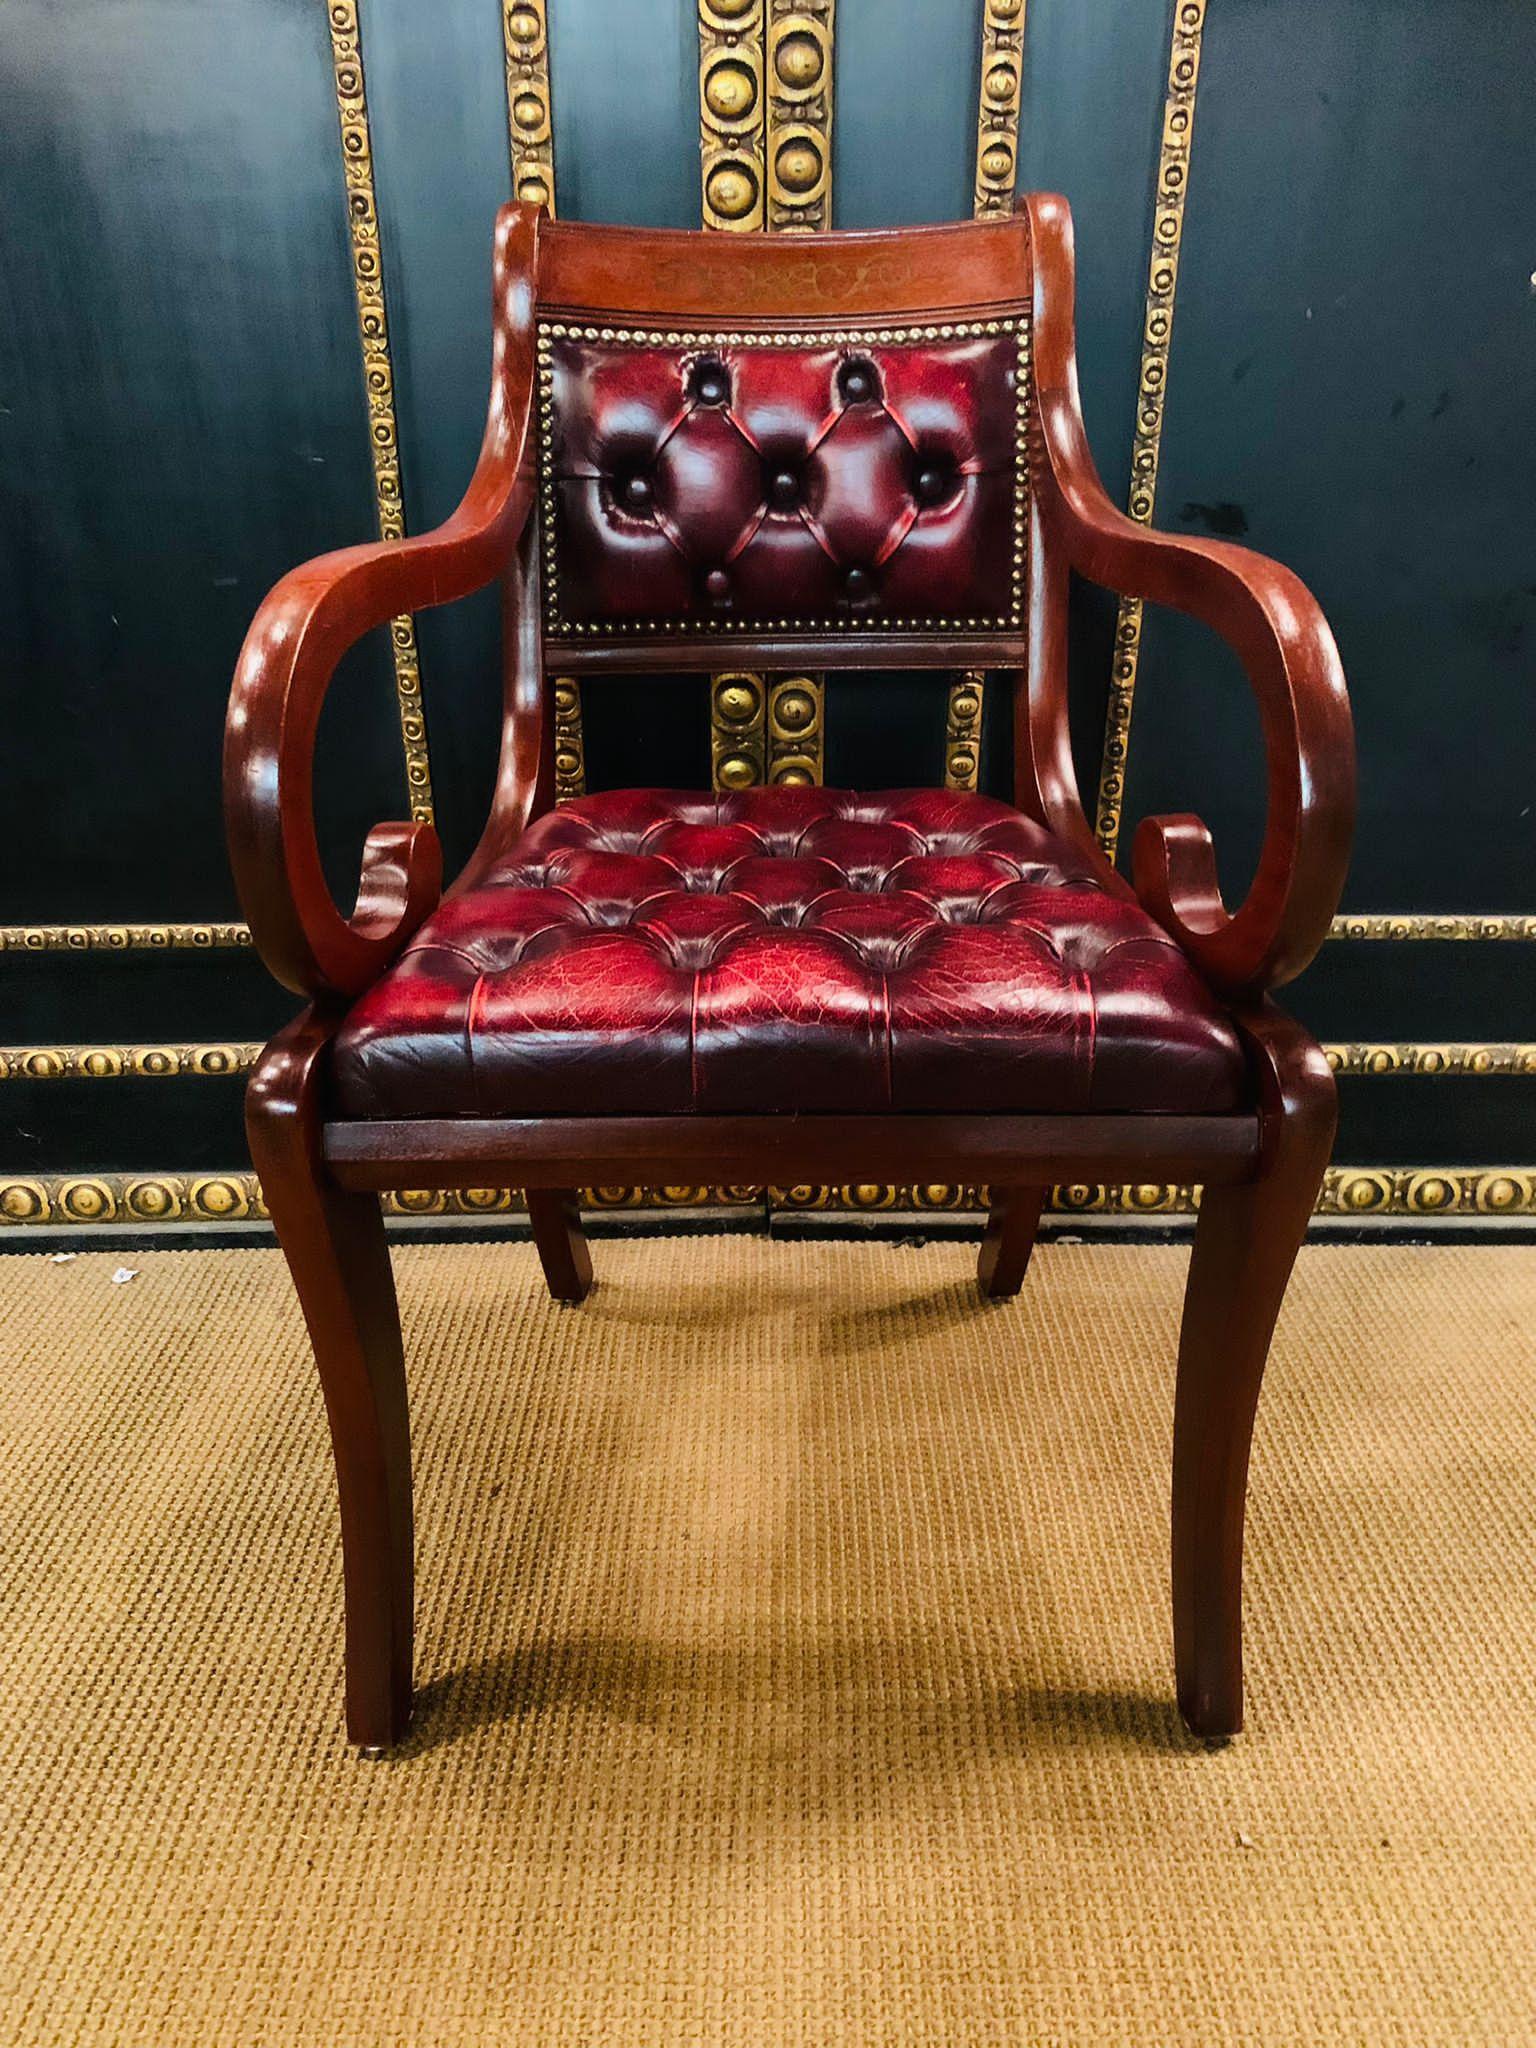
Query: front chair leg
(1012, 1222)
(336, 1251)
(563, 1252)
(1246, 1243)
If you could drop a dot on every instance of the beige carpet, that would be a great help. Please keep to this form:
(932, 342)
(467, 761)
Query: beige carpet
(795, 1659)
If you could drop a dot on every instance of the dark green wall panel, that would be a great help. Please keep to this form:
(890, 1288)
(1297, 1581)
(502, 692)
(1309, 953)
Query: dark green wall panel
(182, 418)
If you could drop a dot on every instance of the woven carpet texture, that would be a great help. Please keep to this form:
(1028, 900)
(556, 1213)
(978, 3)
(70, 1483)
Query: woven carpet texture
(794, 1661)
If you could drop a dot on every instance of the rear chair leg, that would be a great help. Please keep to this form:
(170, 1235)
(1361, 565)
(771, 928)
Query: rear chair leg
(1011, 1225)
(563, 1249)
(1246, 1243)
(336, 1252)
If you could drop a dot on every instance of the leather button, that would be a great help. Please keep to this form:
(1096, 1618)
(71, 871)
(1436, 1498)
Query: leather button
(784, 490)
(717, 585)
(637, 493)
(711, 382)
(857, 584)
(934, 482)
(857, 382)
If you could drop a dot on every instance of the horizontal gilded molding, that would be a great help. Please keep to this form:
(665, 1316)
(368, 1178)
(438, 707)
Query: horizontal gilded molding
(1458, 925)
(1152, 382)
(378, 376)
(121, 938)
(134, 1199)
(1463, 1060)
(997, 113)
(218, 1059)
(125, 1062)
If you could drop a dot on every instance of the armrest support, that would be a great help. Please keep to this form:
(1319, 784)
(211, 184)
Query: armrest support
(299, 634)
(1275, 627)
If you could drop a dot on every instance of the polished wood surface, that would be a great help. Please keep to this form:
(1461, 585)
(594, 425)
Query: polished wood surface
(1260, 1170)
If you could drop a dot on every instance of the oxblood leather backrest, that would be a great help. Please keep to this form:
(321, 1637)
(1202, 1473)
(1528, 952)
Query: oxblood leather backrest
(782, 450)
(756, 480)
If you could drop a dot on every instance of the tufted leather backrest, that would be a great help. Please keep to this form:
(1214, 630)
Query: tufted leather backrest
(863, 480)
(783, 450)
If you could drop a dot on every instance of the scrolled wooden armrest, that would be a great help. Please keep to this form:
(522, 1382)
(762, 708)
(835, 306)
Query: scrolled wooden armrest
(299, 634)
(1276, 628)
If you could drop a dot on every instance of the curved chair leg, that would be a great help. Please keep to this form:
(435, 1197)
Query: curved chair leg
(336, 1251)
(563, 1249)
(1011, 1225)
(1246, 1242)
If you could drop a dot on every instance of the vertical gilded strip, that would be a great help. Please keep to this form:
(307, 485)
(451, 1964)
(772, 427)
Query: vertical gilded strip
(795, 705)
(732, 135)
(798, 147)
(997, 170)
(1162, 283)
(997, 118)
(378, 376)
(525, 39)
(962, 735)
(799, 140)
(531, 152)
(737, 729)
(731, 116)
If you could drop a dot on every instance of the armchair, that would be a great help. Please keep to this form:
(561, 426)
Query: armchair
(716, 451)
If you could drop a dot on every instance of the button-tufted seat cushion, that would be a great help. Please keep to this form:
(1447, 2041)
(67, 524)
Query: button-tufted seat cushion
(648, 951)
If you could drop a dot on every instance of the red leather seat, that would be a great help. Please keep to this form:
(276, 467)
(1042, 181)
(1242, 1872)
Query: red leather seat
(649, 951)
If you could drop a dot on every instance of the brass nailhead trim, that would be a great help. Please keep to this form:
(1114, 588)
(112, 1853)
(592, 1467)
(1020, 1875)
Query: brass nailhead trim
(1162, 284)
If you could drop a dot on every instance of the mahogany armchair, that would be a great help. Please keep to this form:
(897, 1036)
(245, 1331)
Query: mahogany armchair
(712, 452)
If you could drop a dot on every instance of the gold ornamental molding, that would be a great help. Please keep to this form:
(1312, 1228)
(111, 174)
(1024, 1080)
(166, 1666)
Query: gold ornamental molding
(799, 117)
(121, 938)
(997, 171)
(138, 1199)
(765, 140)
(1459, 926)
(962, 730)
(125, 1062)
(732, 116)
(531, 155)
(570, 748)
(1157, 331)
(378, 376)
(525, 41)
(793, 736)
(211, 1061)
(1463, 1060)
(733, 139)
(997, 116)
